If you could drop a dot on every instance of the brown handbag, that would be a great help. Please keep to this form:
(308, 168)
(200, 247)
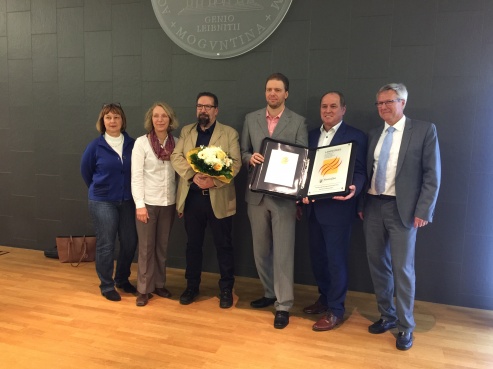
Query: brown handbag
(76, 249)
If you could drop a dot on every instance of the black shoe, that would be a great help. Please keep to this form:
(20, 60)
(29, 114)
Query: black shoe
(112, 295)
(281, 320)
(226, 298)
(263, 302)
(127, 287)
(52, 254)
(381, 326)
(404, 341)
(188, 295)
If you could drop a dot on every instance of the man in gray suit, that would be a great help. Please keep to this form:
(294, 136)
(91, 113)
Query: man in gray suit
(403, 164)
(272, 219)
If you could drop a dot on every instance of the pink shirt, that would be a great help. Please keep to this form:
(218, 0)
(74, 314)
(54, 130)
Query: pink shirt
(272, 121)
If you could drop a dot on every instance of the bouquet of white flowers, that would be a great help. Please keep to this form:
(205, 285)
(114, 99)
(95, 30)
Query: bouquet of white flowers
(213, 161)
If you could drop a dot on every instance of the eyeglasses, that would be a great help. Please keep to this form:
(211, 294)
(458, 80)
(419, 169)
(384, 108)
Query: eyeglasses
(206, 107)
(387, 103)
(106, 105)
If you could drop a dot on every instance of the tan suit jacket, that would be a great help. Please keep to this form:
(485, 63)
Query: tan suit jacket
(223, 196)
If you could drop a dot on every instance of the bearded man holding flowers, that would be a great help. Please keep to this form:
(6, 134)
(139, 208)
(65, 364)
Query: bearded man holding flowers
(207, 158)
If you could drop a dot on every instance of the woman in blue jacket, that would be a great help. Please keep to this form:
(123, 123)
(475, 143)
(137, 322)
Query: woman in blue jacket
(105, 167)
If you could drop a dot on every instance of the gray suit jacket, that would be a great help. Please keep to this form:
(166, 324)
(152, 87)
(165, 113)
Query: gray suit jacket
(291, 128)
(418, 172)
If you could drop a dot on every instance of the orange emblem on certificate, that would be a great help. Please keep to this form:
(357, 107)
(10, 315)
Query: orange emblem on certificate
(330, 166)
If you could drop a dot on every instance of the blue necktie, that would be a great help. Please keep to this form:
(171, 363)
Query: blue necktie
(382, 161)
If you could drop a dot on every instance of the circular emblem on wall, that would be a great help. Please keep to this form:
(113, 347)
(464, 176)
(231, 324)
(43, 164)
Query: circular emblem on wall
(219, 29)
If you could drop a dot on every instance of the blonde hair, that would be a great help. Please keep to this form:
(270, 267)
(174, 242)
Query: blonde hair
(173, 120)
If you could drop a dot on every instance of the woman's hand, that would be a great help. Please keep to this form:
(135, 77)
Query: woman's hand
(141, 215)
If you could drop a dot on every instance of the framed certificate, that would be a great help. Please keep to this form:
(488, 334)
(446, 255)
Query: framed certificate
(295, 171)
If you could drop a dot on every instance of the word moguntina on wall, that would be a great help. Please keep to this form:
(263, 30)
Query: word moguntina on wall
(219, 29)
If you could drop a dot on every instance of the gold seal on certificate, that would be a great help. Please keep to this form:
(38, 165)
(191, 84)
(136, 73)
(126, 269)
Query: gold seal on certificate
(282, 170)
(295, 171)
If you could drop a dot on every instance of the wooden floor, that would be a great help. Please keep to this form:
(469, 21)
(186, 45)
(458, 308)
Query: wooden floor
(53, 316)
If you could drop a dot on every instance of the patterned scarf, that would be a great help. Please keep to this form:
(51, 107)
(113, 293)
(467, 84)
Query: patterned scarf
(162, 153)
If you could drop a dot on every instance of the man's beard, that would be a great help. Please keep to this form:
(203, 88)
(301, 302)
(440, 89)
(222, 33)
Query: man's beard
(203, 119)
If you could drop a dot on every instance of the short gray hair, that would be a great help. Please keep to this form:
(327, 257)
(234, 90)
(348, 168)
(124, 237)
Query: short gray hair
(399, 89)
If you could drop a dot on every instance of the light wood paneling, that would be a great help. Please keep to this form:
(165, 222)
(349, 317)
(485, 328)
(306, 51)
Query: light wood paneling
(53, 316)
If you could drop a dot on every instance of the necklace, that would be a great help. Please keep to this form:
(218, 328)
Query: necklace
(164, 141)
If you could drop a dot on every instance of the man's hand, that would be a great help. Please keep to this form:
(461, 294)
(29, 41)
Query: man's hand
(418, 222)
(306, 201)
(256, 159)
(203, 181)
(352, 191)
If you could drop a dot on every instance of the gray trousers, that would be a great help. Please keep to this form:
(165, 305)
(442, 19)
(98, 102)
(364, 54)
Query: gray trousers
(391, 249)
(273, 224)
(153, 247)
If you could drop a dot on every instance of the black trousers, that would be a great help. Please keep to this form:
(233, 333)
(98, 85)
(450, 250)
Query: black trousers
(198, 213)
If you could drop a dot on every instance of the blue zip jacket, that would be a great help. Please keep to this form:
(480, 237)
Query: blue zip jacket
(106, 175)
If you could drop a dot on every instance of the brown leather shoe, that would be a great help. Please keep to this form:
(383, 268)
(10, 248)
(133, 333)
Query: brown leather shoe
(162, 292)
(316, 308)
(142, 299)
(327, 322)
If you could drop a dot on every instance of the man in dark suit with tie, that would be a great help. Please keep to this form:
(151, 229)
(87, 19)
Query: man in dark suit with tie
(330, 220)
(403, 164)
(273, 219)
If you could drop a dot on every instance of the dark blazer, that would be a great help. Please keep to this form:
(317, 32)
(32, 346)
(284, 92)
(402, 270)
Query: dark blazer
(336, 212)
(417, 178)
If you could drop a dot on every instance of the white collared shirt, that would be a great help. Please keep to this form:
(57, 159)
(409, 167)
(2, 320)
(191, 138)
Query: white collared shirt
(153, 180)
(393, 156)
(326, 136)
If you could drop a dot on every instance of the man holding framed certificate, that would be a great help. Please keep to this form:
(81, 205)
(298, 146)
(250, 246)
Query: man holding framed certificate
(272, 218)
(330, 220)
